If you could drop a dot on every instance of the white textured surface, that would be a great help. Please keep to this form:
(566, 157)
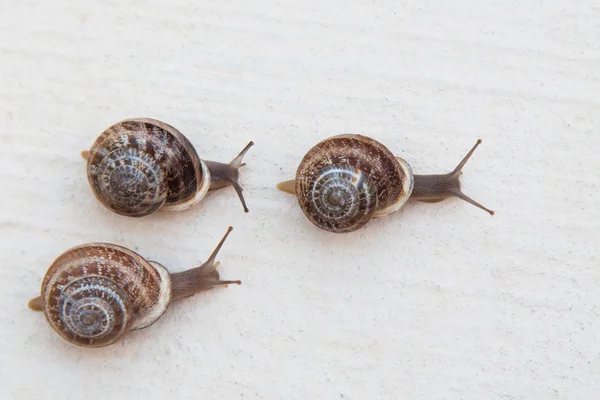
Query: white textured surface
(435, 302)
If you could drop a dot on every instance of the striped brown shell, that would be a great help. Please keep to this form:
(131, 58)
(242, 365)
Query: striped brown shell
(95, 293)
(139, 165)
(346, 180)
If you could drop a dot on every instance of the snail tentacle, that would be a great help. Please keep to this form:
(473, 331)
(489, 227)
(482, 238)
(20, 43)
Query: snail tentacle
(204, 277)
(435, 188)
(223, 175)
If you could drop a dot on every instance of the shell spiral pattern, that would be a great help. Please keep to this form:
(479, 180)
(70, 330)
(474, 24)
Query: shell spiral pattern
(94, 309)
(342, 198)
(94, 294)
(346, 180)
(136, 166)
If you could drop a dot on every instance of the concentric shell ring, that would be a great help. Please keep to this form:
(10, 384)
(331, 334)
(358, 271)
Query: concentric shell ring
(342, 198)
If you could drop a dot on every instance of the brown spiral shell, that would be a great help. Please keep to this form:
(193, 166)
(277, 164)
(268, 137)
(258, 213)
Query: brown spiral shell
(139, 165)
(95, 293)
(346, 180)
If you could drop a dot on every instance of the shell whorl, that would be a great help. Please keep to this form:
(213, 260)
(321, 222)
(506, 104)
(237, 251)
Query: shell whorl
(344, 181)
(95, 293)
(138, 165)
(94, 310)
(342, 198)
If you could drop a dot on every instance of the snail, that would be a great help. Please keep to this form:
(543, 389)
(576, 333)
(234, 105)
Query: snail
(140, 165)
(344, 181)
(93, 294)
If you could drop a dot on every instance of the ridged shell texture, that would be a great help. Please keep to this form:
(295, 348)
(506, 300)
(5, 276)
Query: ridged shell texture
(344, 181)
(137, 165)
(93, 294)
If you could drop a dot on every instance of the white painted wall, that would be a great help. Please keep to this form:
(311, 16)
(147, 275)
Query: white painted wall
(435, 302)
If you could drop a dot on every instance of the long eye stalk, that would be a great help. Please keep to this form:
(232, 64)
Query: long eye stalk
(434, 188)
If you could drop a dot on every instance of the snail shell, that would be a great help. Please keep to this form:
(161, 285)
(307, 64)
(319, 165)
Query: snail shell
(95, 293)
(140, 165)
(346, 180)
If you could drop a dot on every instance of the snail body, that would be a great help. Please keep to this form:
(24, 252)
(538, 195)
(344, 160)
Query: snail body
(345, 180)
(93, 294)
(141, 165)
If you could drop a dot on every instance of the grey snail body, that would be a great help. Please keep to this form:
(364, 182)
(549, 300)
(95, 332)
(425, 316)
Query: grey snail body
(94, 294)
(344, 181)
(141, 165)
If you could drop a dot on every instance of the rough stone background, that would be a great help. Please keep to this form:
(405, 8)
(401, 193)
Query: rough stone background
(435, 302)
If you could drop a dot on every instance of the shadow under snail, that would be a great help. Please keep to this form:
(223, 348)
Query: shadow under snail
(344, 181)
(93, 294)
(140, 165)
